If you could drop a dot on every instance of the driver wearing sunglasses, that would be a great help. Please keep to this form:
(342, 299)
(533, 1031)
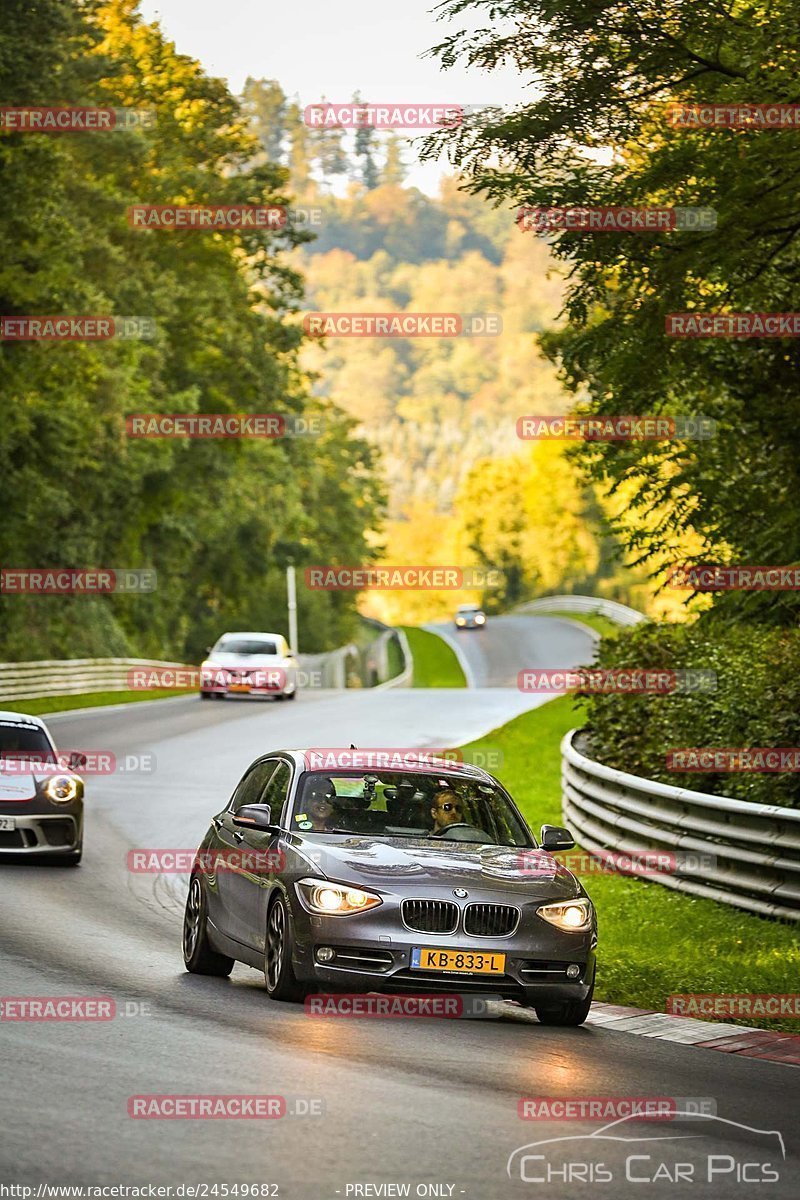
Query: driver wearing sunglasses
(445, 810)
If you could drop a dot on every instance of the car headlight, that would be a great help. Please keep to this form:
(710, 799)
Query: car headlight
(61, 789)
(480, 619)
(334, 899)
(571, 916)
(460, 621)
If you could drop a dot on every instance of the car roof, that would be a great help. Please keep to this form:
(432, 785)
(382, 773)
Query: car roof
(468, 607)
(429, 766)
(17, 718)
(249, 633)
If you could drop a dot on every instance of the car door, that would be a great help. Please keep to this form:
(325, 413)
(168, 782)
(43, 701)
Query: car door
(227, 901)
(255, 884)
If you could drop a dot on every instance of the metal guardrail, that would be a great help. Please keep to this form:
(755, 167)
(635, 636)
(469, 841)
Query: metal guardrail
(741, 854)
(584, 604)
(70, 677)
(346, 666)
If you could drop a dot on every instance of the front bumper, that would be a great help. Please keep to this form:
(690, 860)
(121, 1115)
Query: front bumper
(373, 953)
(37, 832)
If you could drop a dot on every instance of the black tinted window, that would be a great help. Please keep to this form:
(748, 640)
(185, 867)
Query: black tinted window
(251, 789)
(247, 646)
(23, 739)
(275, 794)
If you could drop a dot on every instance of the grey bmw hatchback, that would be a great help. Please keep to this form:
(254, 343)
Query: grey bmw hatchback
(353, 871)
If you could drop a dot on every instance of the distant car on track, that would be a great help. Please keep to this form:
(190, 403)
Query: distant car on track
(41, 803)
(249, 664)
(470, 616)
(420, 879)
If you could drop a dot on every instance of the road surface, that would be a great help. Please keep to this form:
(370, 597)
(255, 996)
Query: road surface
(493, 656)
(377, 1106)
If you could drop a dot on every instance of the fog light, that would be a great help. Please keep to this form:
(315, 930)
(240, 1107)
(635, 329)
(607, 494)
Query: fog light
(573, 971)
(325, 954)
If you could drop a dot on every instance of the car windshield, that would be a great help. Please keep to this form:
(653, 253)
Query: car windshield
(246, 646)
(407, 804)
(469, 608)
(19, 740)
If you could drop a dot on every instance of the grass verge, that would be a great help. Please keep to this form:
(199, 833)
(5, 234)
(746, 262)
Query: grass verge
(435, 664)
(53, 704)
(653, 942)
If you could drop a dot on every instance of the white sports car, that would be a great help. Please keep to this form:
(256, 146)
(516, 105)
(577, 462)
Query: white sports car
(249, 664)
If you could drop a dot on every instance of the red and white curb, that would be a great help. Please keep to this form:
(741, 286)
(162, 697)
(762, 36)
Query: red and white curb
(711, 1035)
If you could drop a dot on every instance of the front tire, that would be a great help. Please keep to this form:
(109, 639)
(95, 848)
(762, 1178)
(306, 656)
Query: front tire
(568, 1012)
(281, 981)
(198, 956)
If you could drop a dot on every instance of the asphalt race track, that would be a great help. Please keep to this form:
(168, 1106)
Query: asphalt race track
(428, 1104)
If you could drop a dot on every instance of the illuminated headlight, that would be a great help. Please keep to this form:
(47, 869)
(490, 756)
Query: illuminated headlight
(572, 916)
(334, 899)
(460, 621)
(61, 788)
(480, 619)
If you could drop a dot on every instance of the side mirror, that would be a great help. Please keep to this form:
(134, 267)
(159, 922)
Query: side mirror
(554, 838)
(255, 816)
(77, 761)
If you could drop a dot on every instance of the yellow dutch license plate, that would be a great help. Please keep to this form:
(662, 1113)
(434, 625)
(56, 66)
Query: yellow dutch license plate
(473, 962)
(239, 687)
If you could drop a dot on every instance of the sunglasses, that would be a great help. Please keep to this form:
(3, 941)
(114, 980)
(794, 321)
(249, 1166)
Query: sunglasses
(449, 808)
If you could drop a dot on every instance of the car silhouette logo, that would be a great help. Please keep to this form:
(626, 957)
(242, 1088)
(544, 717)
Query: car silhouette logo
(462, 893)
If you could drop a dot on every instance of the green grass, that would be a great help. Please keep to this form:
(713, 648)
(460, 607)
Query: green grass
(54, 704)
(435, 664)
(653, 942)
(595, 621)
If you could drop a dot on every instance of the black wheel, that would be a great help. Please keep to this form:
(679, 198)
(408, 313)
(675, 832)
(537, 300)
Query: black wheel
(282, 984)
(292, 695)
(568, 1012)
(72, 859)
(198, 956)
(279, 696)
(205, 695)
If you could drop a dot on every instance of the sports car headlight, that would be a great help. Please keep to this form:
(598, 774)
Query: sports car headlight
(460, 621)
(61, 788)
(572, 916)
(480, 619)
(334, 899)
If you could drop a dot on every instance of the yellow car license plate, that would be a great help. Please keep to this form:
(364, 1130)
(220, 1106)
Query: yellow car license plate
(473, 962)
(239, 687)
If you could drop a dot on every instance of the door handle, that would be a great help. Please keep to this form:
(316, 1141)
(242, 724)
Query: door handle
(238, 835)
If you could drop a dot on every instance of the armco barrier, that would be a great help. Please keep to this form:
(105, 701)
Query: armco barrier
(742, 854)
(583, 604)
(69, 677)
(338, 668)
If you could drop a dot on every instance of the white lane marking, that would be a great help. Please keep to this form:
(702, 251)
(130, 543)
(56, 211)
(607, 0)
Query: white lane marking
(469, 674)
